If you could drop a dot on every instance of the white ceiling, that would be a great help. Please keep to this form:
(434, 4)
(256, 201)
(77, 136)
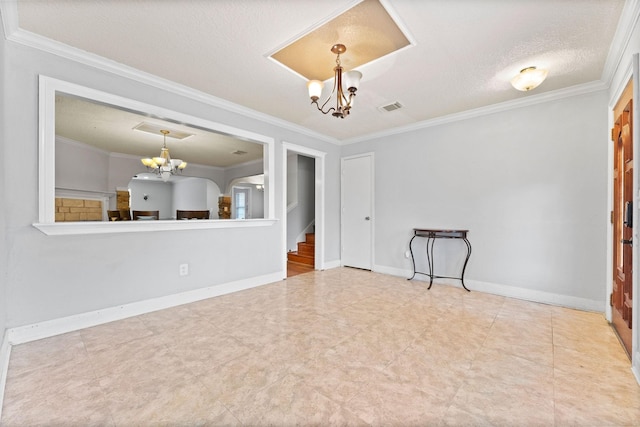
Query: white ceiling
(463, 55)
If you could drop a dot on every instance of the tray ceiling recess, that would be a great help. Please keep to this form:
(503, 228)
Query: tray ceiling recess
(367, 30)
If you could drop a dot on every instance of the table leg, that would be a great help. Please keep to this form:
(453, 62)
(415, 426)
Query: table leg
(464, 267)
(413, 262)
(430, 256)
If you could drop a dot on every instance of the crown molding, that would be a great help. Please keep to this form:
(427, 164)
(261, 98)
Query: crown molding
(483, 111)
(628, 20)
(9, 14)
(82, 145)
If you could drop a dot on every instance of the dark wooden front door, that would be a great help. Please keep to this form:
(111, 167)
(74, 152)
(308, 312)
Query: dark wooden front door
(622, 297)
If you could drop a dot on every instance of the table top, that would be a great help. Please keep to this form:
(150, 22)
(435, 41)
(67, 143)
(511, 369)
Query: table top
(439, 232)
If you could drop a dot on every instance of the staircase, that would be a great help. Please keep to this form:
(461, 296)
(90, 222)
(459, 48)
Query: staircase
(306, 251)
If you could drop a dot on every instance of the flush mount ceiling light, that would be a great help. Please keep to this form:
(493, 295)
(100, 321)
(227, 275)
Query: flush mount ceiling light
(351, 80)
(164, 165)
(529, 78)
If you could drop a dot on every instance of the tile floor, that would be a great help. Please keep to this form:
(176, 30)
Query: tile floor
(339, 347)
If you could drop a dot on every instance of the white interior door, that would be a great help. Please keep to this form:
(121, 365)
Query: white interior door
(357, 211)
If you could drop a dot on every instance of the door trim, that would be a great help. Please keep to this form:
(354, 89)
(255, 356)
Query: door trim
(371, 155)
(319, 157)
(634, 73)
(635, 119)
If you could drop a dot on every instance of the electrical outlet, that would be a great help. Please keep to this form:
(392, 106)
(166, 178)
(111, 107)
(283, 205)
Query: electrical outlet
(184, 269)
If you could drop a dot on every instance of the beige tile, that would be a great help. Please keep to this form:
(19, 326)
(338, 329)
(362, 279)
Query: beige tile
(607, 399)
(523, 338)
(290, 402)
(513, 309)
(441, 376)
(337, 347)
(334, 376)
(179, 403)
(495, 368)
(500, 404)
(112, 334)
(385, 401)
(46, 352)
(241, 377)
(377, 345)
(200, 351)
(83, 404)
(169, 319)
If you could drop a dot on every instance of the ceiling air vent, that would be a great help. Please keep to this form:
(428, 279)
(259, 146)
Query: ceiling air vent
(391, 107)
(155, 129)
(239, 152)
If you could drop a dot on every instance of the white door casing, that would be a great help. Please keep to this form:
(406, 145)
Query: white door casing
(319, 156)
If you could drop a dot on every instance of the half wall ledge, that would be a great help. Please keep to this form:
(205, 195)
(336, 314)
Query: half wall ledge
(111, 227)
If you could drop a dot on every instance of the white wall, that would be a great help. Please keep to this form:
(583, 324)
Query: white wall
(50, 277)
(257, 202)
(81, 167)
(195, 194)
(4, 243)
(530, 184)
(240, 171)
(148, 195)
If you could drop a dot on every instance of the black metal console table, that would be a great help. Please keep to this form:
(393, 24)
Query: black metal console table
(431, 235)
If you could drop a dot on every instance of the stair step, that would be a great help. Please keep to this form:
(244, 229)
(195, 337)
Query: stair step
(301, 259)
(310, 238)
(305, 248)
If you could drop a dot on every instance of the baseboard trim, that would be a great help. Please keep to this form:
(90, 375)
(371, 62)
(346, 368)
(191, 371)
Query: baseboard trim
(507, 291)
(5, 353)
(332, 264)
(76, 322)
(635, 367)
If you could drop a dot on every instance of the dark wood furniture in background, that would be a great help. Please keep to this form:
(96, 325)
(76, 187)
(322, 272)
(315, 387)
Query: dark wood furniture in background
(119, 215)
(192, 214)
(138, 214)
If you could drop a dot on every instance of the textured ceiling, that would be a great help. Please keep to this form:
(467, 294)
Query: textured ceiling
(112, 129)
(463, 55)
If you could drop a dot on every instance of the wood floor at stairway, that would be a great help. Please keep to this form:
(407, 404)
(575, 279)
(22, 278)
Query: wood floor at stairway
(294, 268)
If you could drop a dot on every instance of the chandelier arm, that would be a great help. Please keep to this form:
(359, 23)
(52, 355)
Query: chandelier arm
(320, 109)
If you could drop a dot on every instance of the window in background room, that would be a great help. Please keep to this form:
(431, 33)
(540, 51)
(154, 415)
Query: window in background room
(241, 202)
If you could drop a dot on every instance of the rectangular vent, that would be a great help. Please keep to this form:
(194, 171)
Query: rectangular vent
(155, 129)
(391, 107)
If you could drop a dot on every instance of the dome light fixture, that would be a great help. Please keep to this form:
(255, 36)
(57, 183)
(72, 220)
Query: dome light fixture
(351, 80)
(529, 78)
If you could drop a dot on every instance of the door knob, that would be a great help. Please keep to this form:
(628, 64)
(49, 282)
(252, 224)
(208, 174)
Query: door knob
(367, 218)
(627, 242)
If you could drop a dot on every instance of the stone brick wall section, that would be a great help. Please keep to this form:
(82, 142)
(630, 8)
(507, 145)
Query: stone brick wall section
(78, 210)
(122, 200)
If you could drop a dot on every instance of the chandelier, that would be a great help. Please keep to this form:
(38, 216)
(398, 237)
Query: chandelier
(351, 80)
(164, 165)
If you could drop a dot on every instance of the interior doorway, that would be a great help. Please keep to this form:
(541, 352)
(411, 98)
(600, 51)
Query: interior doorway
(300, 214)
(318, 162)
(623, 218)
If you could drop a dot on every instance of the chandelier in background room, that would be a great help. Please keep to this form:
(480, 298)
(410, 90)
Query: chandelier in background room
(164, 165)
(349, 80)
